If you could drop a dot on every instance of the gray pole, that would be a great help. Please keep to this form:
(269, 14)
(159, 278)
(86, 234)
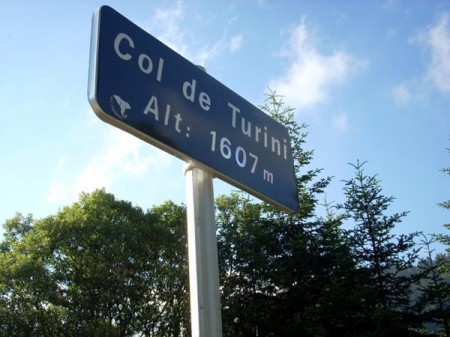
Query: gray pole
(206, 319)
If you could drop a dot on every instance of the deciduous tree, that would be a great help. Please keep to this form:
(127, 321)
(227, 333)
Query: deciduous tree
(101, 267)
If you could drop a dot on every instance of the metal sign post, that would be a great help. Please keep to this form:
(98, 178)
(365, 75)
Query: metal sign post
(206, 319)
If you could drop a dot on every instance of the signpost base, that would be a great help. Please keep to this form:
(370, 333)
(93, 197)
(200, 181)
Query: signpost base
(206, 319)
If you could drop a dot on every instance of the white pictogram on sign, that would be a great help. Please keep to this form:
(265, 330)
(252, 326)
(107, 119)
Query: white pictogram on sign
(119, 106)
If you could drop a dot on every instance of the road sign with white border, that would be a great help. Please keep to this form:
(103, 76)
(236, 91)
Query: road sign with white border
(140, 85)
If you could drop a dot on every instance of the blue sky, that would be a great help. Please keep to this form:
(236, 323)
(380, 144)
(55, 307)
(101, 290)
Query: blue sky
(370, 78)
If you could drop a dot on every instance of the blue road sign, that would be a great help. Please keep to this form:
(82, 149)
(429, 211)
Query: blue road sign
(140, 85)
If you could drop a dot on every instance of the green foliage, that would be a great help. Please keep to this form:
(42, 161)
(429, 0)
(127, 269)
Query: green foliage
(445, 238)
(172, 279)
(15, 229)
(284, 275)
(382, 256)
(433, 302)
(435, 297)
(99, 267)
(309, 186)
(245, 247)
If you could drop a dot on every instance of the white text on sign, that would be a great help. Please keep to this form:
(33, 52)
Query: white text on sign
(125, 48)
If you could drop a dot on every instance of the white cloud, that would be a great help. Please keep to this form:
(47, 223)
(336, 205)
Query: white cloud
(236, 43)
(120, 156)
(169, 26)
(435, 40)
(165, 25)
(438, 40)
(402, 93)
(340, 122)
(58, 192)
(311, 74)
(232, 44)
